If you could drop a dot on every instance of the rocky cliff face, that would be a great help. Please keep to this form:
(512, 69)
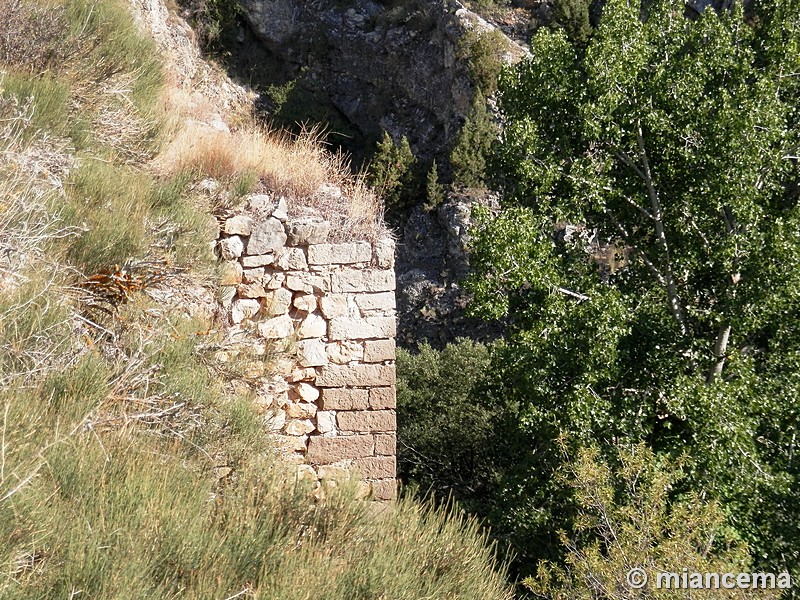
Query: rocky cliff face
(432, 260)
(402, 67)
(399, 69)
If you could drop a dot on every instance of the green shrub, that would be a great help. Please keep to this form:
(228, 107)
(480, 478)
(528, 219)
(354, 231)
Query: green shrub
(124, 213)
(573, 17)
(445, 429)
(212, 19)
(74, 392)
(84, 45)
(393, 171)
(484, 52)
(626, 520)
(109, 43)
(112, 205)
(473, 146)
(434, 191)
(49, 102)
(182, 229)
(489, 6)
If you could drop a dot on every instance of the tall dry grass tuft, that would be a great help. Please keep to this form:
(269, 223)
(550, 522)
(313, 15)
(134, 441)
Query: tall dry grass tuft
(298, 167)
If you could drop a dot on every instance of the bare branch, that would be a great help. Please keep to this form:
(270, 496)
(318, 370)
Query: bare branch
(628, 161)
(581, 297)
(720, 351)
(673, 298)
(637, 207)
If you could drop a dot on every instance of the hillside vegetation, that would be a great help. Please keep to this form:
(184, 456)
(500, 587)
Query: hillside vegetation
(131, 464)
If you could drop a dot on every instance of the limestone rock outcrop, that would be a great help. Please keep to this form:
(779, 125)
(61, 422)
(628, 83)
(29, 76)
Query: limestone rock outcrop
(432, 259)
(399, 69)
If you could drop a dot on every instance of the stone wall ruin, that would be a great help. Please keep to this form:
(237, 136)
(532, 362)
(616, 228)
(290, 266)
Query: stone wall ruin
(332, 403)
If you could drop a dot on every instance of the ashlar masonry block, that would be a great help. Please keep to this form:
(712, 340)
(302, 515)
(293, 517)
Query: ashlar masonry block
(328, 450)
(346, 328)
(357, 252)
(319, 254)
(362, 280)
(382, 397)
(344, 352)
(333, 305)
(309, 284)
(382, 301)
(385, 444)
(384, 254)
(311, 353)
(376, 467)
(356, 375)
(379, 350)
(344, 399)
(384, 489)
(261, 260)
(366, 420)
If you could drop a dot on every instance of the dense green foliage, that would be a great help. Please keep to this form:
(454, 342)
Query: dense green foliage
(483, 52)
(573, 17)
(626, 521)
(446, 434)
(671, 145)
(434, 191)
(474, 145)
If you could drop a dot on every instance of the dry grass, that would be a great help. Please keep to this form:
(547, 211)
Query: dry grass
(299, 168)
(29, 38)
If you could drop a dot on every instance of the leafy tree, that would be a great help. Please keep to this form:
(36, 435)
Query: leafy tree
(676, 142)
(640, 528)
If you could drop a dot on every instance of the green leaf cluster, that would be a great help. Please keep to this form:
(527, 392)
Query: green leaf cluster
(671, 144)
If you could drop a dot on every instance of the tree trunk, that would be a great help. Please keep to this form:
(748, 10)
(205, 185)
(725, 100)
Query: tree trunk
(720, 350)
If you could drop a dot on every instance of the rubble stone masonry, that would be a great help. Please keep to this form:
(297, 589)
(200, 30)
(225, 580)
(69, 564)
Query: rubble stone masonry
(332, 306)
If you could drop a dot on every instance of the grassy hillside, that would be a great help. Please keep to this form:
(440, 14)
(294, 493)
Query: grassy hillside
(132, 464)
